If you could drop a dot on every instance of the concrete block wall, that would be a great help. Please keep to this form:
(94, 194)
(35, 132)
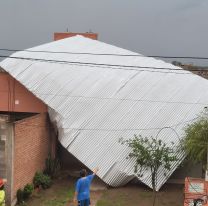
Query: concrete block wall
(4, 135)
(3, 131)
(31, 148)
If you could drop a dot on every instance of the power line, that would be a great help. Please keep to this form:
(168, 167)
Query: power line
(114, 66)
(95, 64)
(110, 66)
(116, 130)
(105, 54)
(120, 99)
(90, 63)
(180, 160)
(196, 191)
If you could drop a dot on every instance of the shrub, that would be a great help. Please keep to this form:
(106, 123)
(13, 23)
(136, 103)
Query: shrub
(24, 194)
(42, 180)
(20, 196)
(28, 189)
(52, 166)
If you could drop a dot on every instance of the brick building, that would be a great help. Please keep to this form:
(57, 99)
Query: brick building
(199, 70)
(79, 100)
(25, 135)
(62, 35)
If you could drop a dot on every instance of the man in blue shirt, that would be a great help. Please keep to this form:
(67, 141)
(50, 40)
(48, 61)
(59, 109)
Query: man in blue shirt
(82, 190)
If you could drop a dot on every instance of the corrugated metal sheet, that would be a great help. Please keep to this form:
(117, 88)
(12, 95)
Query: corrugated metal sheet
(93, 106)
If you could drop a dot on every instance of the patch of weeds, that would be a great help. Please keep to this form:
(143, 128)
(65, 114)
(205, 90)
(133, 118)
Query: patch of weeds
(111, 203)
(145, 194)
(61, 197)
(120, 200)
(104, 202)
(63, 192)
(54, 202)
(22, 204)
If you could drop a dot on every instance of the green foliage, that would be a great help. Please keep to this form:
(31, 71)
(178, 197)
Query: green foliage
(196, 140)
(176, 63)
(150, 154)
(28, 189)
(52, 167)
(24, 194)
(60, 198)
(42, 180)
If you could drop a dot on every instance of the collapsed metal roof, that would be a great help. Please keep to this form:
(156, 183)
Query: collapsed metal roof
(95, 103)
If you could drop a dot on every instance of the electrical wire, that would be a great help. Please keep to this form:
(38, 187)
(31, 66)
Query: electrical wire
(89, 63)
(120, 99)
(105, 54)
(198, 194)
(112, 66)
(109, 65)
(129, 129)
(185, 199)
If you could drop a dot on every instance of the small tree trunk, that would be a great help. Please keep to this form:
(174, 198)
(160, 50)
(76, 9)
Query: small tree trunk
(154, 187)
(154, 197)
(153, 182)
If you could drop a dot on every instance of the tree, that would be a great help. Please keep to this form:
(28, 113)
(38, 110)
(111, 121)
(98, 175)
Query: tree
(196, 140)
(150, 154)
(176, 63)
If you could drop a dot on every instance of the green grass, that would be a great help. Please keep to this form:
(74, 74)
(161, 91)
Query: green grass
(118, 200)
(62, 191)
(57, 195)
(61, 197)
(121, 198)
(170, 195)
(110, 203)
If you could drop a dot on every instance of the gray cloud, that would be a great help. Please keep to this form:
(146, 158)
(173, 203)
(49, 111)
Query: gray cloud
(190, 4)
(164, 27)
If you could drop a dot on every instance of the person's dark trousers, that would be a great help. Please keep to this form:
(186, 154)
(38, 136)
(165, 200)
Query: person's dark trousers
(85, 202)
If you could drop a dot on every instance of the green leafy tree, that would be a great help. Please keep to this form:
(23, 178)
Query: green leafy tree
(176, 63)
(150, 154)
(196, 140)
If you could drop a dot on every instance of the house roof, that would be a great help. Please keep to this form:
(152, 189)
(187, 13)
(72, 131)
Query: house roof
(94, 104)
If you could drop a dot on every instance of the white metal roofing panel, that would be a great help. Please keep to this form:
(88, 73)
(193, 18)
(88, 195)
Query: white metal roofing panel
(94, 105)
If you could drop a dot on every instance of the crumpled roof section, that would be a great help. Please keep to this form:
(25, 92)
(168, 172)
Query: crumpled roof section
(94, 104)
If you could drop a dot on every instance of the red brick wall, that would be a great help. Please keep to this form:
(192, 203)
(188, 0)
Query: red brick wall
(31, 147)
(58, 36)
(17, 98)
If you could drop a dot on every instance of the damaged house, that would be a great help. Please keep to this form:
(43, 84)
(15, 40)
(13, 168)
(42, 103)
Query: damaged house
(96, 93)
(26, 136)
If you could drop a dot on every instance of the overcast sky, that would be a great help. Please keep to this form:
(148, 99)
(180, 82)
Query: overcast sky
(150, 27)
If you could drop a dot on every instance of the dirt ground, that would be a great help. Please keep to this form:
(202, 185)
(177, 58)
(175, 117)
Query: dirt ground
(134, 195)
(61, 194)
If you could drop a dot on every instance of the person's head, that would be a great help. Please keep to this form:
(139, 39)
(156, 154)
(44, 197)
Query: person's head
(83, 173)
(1, 184)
